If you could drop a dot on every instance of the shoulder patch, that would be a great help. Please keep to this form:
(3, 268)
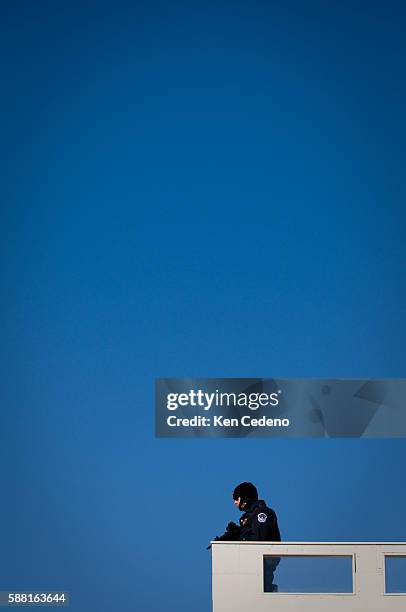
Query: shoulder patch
(262, 517)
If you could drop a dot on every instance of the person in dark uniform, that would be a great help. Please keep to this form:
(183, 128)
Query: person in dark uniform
(257, 524)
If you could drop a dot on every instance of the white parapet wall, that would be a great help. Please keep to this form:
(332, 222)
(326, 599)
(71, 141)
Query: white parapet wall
(364, 580)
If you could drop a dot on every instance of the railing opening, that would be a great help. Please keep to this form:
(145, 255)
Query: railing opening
(395, 574)
(308, 574)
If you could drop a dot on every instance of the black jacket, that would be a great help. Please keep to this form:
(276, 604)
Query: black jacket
(259, 523)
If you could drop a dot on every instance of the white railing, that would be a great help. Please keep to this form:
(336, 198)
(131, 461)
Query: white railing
(242, 580)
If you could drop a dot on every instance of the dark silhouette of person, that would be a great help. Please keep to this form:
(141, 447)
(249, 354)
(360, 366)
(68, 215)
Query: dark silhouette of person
(258, 523)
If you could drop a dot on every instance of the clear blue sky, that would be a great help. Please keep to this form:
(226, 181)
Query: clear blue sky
(191, 189)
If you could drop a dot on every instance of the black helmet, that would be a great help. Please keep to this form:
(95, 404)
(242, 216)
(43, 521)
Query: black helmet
(245, 490)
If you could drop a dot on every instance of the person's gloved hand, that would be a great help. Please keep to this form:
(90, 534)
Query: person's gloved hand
(231, 533)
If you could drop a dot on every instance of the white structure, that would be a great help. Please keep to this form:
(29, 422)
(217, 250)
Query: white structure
(370, 576)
